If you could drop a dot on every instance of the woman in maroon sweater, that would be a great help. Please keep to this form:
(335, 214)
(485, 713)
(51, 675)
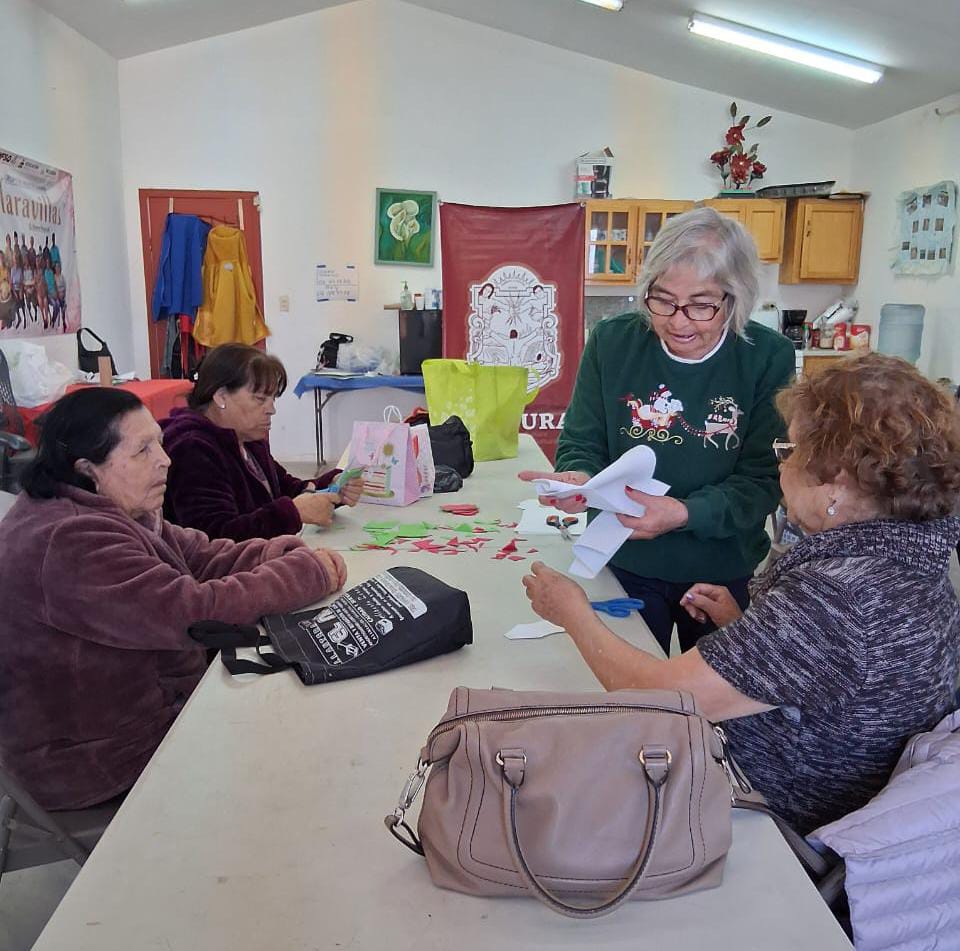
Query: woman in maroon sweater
(223, 479)
(98, 592)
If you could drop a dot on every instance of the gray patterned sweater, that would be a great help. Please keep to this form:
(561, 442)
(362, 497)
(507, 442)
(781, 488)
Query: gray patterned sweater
(854, 636)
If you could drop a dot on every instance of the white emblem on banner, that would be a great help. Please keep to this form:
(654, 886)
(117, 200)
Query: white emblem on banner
(513, 322)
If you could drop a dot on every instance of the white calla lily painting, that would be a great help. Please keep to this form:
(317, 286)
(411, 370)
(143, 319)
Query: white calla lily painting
(405, 226)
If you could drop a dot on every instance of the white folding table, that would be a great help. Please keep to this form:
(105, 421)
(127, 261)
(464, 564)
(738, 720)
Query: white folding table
(258, 823)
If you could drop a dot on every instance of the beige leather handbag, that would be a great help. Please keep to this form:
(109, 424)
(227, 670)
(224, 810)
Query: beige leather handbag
(583, 800)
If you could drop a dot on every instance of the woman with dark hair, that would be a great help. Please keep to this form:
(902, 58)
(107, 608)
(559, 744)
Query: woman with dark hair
(98, 592)
(223, 479)
(851, 643)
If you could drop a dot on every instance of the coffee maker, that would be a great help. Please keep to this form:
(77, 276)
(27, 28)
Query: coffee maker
(793, 321)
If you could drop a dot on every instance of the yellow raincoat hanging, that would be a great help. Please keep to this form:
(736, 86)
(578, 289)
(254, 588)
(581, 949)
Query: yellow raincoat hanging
(229, 312)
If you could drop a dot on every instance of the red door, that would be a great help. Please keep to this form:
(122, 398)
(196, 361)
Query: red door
(237, 209)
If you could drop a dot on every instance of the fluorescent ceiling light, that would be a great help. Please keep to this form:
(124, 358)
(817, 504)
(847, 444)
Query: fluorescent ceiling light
(784, 48)
(606, 4)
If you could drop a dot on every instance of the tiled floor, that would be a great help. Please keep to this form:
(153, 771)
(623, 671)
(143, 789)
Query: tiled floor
(28, 898)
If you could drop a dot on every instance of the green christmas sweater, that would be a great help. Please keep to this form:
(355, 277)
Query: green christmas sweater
(712, 425)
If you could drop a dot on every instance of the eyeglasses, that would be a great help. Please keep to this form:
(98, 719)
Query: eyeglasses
(783, 449)
(661, 307)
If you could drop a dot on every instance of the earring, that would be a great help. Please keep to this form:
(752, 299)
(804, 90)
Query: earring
(222, 405)
(832, 509)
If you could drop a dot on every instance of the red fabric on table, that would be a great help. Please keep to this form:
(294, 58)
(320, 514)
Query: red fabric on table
(159, 396)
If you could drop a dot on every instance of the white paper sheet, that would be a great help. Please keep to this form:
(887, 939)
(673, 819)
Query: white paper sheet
(598, 545)
(533, 521)
(606, 491)
(520, 632)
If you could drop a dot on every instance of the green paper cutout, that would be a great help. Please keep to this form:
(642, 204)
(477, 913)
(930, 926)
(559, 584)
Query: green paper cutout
(414, 530)
(383, 538)
(379, 526)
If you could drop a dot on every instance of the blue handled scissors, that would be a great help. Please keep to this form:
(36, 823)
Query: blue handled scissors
(617, 607)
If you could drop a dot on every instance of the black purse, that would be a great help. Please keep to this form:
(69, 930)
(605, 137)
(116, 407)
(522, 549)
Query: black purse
(396, 618)
(450, 443)
(87, 359)
(330, 348)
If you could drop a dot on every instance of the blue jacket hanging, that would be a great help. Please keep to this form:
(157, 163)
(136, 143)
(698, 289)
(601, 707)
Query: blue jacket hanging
(179, 285)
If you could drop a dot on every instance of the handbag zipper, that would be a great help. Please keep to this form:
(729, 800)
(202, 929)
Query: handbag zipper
(523, 713)
(730, 767)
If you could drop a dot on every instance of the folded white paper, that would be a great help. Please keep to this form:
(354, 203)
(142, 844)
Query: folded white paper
(533, 629)
(606, 491)
(598, 545)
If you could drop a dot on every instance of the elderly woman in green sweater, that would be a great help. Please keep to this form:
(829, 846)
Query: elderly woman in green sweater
(691, 377)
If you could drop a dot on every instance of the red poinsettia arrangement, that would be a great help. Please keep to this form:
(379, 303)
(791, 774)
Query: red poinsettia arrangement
(735, 163)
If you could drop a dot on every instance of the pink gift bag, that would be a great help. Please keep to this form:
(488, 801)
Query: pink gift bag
(395, 458)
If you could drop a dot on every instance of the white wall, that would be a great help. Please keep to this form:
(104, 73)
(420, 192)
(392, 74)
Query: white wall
(913, 149)
(60, 105)
(316, 112)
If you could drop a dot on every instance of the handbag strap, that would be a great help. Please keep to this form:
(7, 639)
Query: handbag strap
(656, 768)
(392, 414)
(95, 336)
(226, 638)
(816, 864)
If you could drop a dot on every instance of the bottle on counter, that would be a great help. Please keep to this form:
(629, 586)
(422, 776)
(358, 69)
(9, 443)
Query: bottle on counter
(406, 298)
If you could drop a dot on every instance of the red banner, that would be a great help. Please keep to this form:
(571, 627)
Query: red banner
(513, 294)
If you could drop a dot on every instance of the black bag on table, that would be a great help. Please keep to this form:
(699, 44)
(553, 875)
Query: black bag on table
(87, 359)
(446, 479)
(450, 442)
(393, 619)
(330, 349)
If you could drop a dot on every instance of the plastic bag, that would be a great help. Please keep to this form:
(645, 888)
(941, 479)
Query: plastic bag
(489, 400)
(361, 359)
(36, 379)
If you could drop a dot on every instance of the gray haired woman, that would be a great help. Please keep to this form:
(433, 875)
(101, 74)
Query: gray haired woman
(691, 377)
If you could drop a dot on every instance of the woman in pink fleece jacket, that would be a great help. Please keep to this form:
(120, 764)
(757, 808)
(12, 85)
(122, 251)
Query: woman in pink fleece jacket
(98, 592)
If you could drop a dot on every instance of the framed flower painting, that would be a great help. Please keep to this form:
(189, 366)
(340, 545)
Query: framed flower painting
(406, 221)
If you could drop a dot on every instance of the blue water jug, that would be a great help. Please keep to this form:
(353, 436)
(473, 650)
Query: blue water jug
(901, 327)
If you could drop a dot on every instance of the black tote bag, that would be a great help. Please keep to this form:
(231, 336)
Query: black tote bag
(87, 359)
(450, 442)
(393, 619)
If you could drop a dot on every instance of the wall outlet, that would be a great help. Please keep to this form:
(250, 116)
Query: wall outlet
(284, 303)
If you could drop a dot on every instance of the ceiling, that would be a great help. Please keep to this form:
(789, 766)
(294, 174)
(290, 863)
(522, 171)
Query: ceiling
(917, 42)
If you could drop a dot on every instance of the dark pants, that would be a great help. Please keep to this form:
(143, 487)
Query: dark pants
(662, 607)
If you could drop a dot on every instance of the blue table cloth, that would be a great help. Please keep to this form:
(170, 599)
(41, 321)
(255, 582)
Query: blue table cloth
(321, 381)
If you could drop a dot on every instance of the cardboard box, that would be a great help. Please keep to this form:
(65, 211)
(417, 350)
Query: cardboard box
(593, 174)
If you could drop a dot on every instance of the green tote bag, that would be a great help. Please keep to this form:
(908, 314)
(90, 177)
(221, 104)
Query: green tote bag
(489, 400)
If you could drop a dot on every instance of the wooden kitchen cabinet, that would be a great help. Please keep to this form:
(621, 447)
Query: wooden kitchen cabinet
(619, 234)
(652, 215)
(822, 241)
(817, 361)
(611, 241)
(762, 217)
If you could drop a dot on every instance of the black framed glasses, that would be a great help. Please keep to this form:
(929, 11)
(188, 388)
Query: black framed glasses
(782, 449)
(661, 307)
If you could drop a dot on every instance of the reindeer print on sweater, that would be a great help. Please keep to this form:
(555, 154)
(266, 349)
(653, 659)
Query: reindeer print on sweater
(654, 420)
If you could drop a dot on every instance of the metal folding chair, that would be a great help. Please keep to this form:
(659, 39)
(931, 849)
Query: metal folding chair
(15, 450)
(31, 836)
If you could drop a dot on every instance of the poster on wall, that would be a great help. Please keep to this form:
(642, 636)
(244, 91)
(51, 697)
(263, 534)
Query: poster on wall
(513, 295)
(39, 287)
(927, 219)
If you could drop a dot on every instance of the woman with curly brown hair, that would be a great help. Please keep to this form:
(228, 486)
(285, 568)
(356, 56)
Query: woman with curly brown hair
(851, 643)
